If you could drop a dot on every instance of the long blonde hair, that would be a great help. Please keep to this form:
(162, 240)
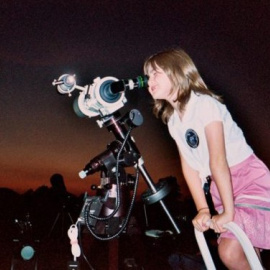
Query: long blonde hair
(184, 77)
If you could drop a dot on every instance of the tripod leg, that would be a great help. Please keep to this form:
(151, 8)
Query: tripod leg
(55, 221)
(145, 216)
(13, 263)
(70, 218)
(63, 222)
(36, 263)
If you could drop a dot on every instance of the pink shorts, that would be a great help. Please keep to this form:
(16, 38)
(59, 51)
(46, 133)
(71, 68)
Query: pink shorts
(251, 189)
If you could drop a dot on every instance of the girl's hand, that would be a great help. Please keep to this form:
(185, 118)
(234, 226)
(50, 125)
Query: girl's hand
(218, 221)
(201, 221)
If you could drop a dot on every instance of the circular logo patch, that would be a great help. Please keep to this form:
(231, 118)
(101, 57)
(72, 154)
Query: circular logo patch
(192, 138)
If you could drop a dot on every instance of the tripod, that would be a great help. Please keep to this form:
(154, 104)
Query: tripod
(105, 97)
(25, 246)
(62, 216)
(107, 162)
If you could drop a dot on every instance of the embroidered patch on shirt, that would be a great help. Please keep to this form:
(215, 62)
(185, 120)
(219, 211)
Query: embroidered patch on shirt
(192, 138)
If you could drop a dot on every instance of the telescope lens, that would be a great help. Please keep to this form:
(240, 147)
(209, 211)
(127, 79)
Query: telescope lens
(69, 80)
(106, 94)
(66, 84)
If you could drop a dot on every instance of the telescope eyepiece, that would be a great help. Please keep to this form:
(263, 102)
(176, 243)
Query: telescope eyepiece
(129, 84)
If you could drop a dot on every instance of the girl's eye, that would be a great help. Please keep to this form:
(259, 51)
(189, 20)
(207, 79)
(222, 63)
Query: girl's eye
(152, 74)
(157, 73)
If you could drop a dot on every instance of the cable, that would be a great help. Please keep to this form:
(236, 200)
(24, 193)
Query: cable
(118, 199)
(204, 250)
(251, 255)
(73, 236)
(80, 243)
(125, 220)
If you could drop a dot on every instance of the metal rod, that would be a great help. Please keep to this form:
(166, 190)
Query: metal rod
(152, 187)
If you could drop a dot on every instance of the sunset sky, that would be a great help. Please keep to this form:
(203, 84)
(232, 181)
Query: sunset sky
(40, 134)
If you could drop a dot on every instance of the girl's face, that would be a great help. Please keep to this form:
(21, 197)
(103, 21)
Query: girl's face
(159, 84)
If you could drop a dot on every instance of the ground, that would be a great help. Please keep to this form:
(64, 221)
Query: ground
(45, 225)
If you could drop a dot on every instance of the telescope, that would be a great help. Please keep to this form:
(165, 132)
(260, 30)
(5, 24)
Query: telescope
(103, 97)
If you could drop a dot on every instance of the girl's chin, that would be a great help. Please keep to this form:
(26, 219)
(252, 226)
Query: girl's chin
(156, 97)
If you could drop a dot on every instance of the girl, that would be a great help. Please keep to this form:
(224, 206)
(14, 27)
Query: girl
(211, 144)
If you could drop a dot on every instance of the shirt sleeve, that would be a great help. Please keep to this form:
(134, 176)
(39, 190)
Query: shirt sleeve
(211, 110)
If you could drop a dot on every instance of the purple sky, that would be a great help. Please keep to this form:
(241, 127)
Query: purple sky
(41, 40)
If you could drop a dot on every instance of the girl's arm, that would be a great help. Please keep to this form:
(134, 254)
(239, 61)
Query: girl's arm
(220, 172)
(194, 183)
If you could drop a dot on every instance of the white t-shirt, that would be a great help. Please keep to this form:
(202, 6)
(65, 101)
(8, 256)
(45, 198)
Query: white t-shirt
(189, 133)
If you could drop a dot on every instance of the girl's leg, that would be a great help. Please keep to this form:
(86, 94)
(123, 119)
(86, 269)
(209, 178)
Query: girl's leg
(232, 255)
